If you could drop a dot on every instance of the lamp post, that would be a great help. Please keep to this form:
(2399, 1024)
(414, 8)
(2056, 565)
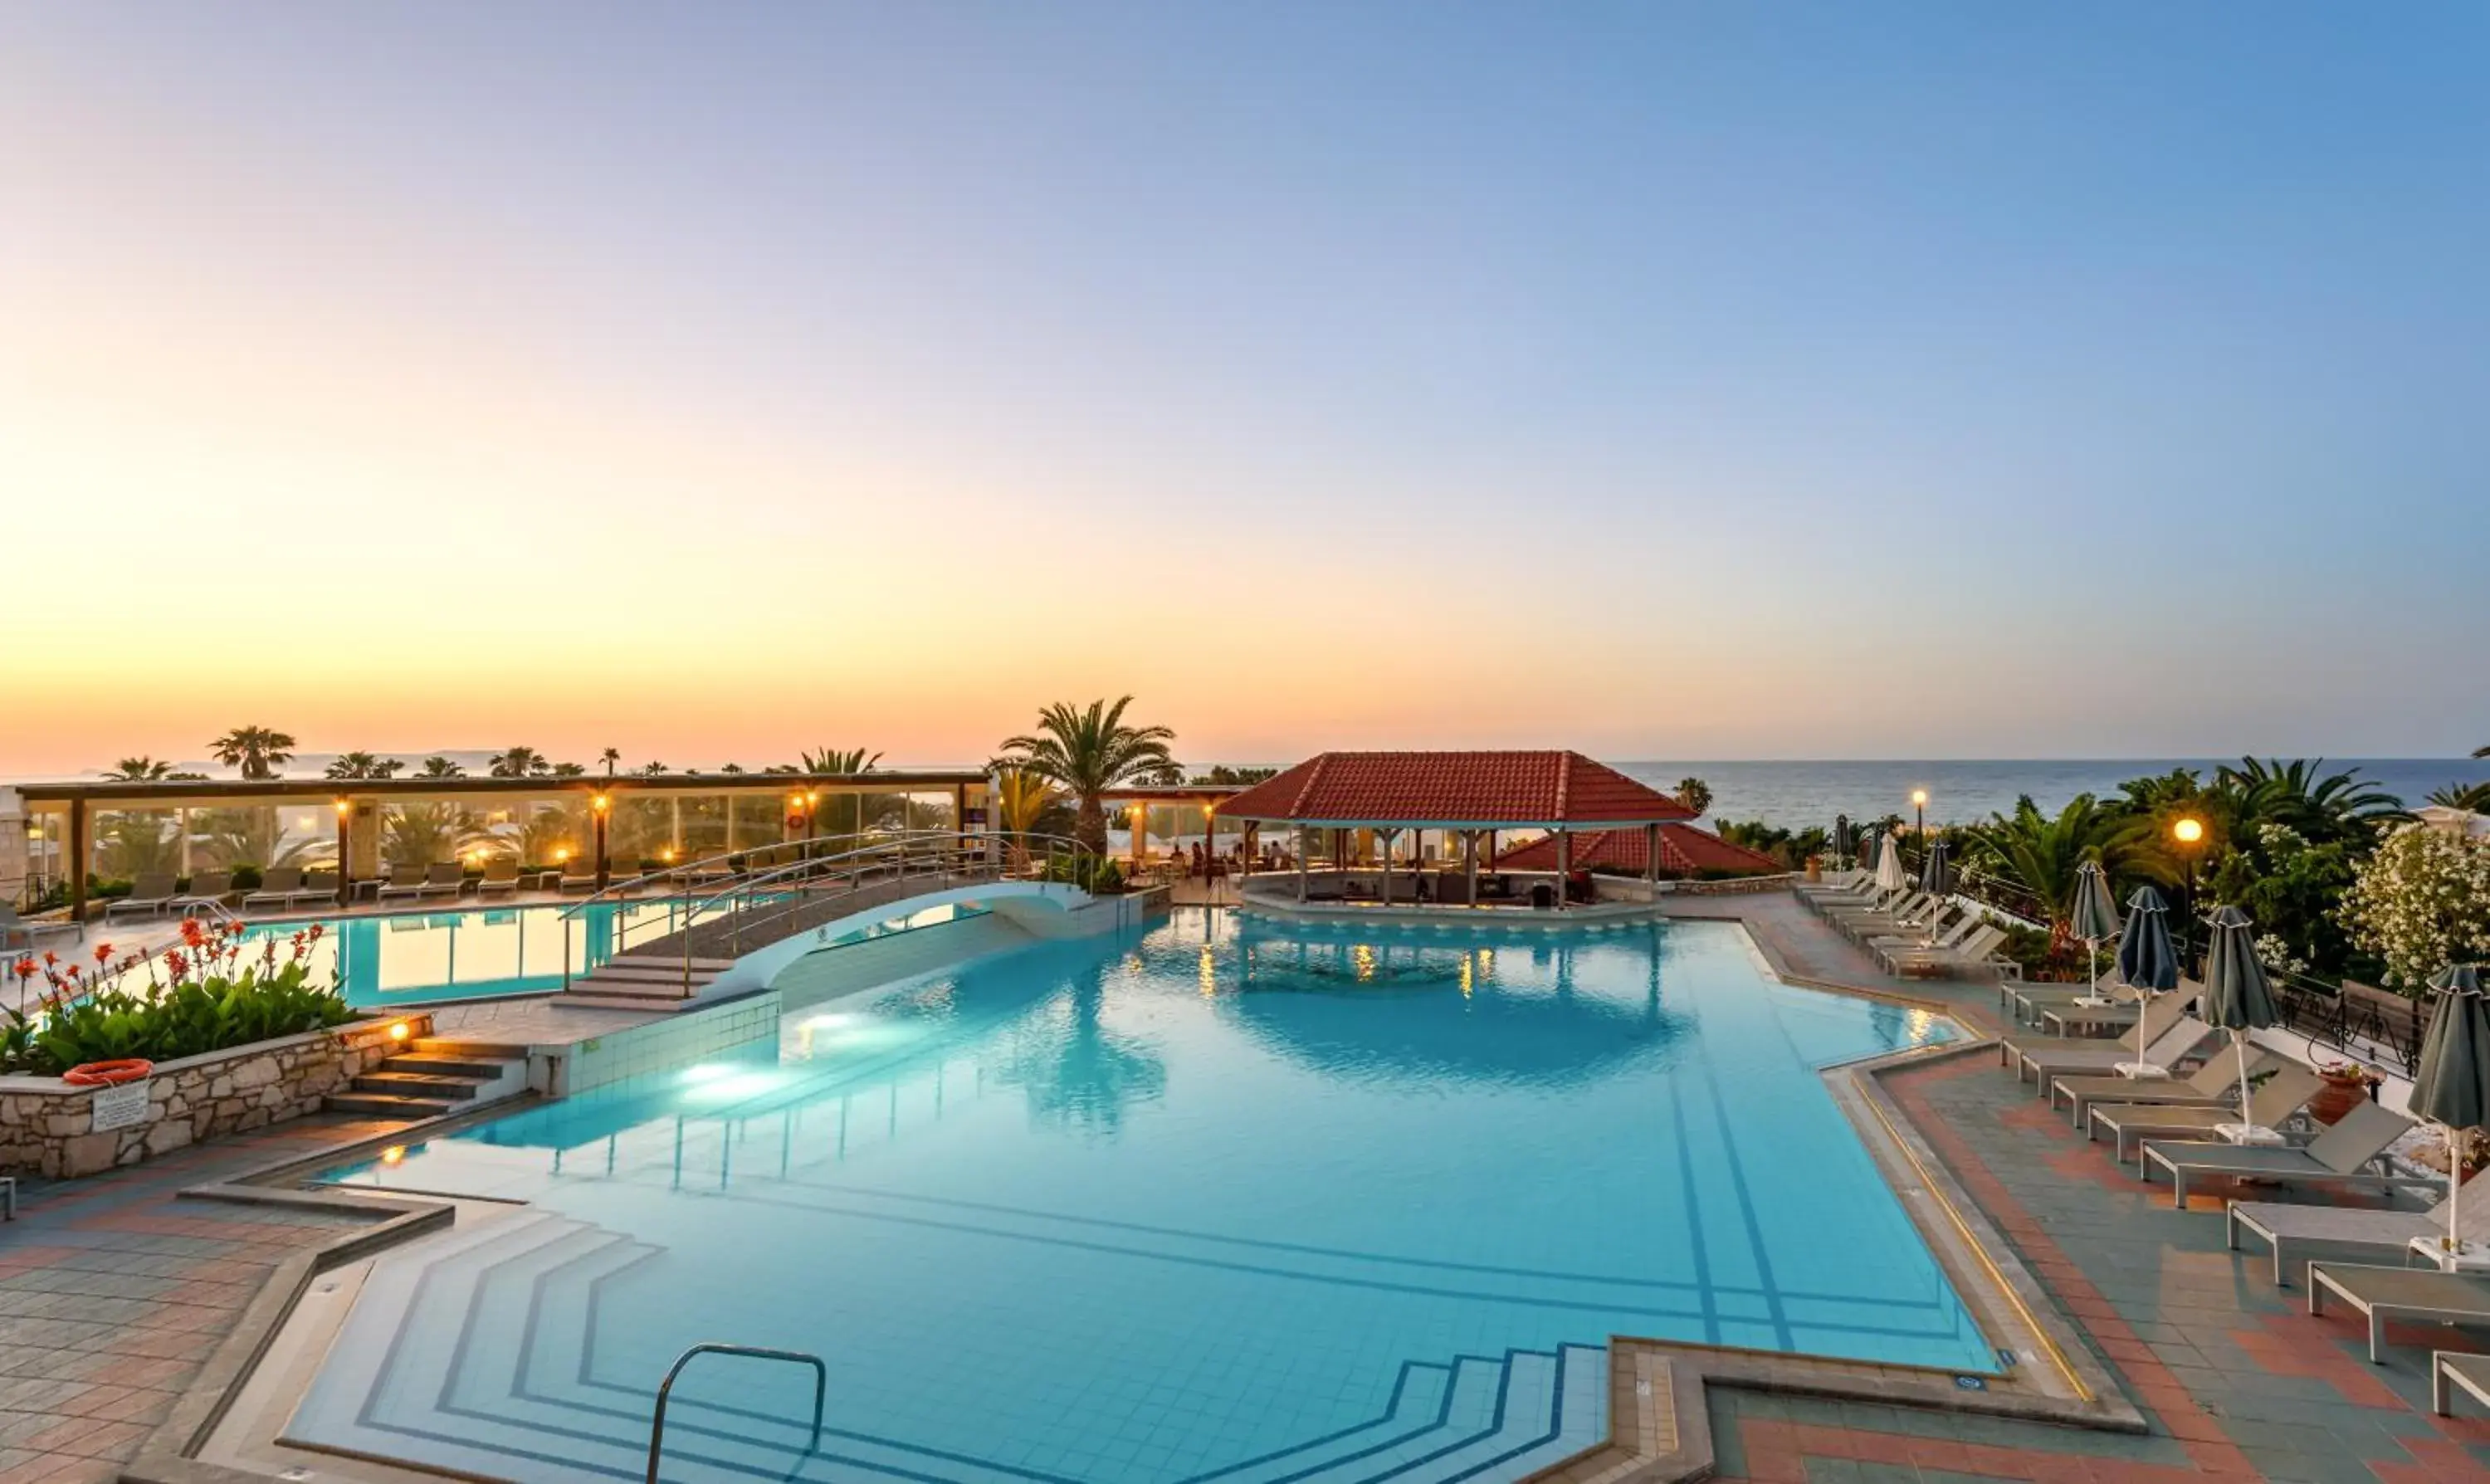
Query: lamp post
(2190, 832)
(345, 862)
(1919, 819)
(598, 806)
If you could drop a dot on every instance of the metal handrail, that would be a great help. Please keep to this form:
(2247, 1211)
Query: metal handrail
(665, 1388)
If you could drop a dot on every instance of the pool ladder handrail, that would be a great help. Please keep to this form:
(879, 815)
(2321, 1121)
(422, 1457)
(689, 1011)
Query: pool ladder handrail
(665, 1388)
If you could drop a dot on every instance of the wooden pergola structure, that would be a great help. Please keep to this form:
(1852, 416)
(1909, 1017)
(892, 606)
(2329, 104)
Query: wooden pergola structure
(1470, 795)
(357, 798)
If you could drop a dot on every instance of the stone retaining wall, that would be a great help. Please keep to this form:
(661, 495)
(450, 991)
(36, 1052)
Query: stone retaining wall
(1731, 886)
(48, 1127)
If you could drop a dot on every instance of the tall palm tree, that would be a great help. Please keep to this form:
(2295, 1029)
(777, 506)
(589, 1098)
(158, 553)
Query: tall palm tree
(2472, 797)
(651, 769)
(248, 836)
(139, 770)
(1695, 795)
(437, 767)
(519, 763)
(258, 751)
(843, 762)
(365, 764)
(2324, 808)
(424, 833)
(610, 757)
(1087, 752)
(2043, 855)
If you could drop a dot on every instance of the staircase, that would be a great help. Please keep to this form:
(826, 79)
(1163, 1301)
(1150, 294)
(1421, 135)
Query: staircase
(644, 981)
(436, 1077)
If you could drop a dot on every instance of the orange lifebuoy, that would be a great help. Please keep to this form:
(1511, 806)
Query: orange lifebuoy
(106, 1074)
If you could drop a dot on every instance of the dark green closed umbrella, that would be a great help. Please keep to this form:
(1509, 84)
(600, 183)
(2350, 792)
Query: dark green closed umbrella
(2453, 1086)
(2094, 918)
(1933, 870)
(2146, 960)
(2237, 997)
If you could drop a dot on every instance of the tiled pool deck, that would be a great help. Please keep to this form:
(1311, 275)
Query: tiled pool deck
(113, 1292)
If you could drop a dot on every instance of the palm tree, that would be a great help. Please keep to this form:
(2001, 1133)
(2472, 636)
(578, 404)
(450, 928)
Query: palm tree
(1087, 752)
(518, 763)
(2043, 855)
(567, 771)
(437, 766)
(1695, 795)
(365, 764)
(609, 757)
(248, 836)
(423, 833)
(2472, 797)
(258, 751)
(652, 769)
(138, 770)
(841, 763)
(2481, 752)
(2325, 809)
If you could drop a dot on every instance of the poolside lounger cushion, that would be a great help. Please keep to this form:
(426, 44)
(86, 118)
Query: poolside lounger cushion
(2340, 1155)
(2283, 1094)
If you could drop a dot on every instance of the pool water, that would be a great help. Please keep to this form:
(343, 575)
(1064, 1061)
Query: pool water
(1204, 1204)
(393, 960)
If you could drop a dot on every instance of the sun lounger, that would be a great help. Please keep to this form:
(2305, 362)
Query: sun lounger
(444, 878)
(2214, 1084)
(1945, 937)
(149, 896)
(2379, 1294)
(316, 886)
(277, 886)
(2342, 1155)
(17, 932)
(500, 875)
(2073, 1018)
(579, 874)
(2454, 1368)
(1976, 955)
(2046, 1056)
(2386, 1235)
(2131, 1124)
(405, 879)
(1944, 920)
(623, 878)
(1910, 907)
(207, 889)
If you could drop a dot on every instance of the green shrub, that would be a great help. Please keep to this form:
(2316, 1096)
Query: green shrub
(215, 1000)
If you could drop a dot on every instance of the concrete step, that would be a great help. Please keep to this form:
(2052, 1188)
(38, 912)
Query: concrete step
(389, 1105)
(643, 989)
(674, 960)
(474, 1051)
(640, 1003)
(427, 1084)
(473, 1068)
(648, 973)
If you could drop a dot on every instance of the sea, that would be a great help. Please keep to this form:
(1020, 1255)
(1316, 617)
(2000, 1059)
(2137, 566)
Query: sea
(1795, 794)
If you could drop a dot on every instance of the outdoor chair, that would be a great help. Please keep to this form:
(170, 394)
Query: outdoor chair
(17, 932)
(2212, 1085)
(1977, 953)
(405, 879)
(2380, 1294)
(2132, 1124)
(2341, 1156)
(2289, 1227)
(578, 874)
(2170, 1037)
(277, 886)
(1934, 916)
(149, 896)
(315, 887)
(207, 889)
(1950, 936)
(501, 875)
(444, 878)
(2450, 1368)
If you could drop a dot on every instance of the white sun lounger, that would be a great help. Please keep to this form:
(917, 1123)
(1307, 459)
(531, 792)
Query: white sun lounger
(2289, 1227)
(2129, 1125)
(2380, 1294)
(2450, 1368)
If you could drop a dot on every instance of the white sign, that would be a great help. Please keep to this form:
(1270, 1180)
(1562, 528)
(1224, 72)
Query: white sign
(120, 1106)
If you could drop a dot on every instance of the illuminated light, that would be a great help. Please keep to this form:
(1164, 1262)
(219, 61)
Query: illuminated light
(345, 807)
(666, 856)
(562, 854)
(1918, 798)
(392, 1155)
(600, 803)
(400, 1032)
(814, 797)
(2188, 830)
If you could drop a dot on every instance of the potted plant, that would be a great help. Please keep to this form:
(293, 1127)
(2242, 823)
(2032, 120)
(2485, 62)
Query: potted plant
(2347, 1087)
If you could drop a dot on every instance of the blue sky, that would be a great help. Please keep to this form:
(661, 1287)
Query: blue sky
(1662, 379)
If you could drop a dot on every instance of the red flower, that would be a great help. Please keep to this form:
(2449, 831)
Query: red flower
(26, 968)
(176, 963)
(103, 952)
(50, 958)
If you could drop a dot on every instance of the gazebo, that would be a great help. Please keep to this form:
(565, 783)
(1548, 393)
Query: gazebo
(1470, 795)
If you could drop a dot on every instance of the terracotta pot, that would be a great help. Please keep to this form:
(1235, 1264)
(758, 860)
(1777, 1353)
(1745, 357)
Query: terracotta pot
(2339, 1096)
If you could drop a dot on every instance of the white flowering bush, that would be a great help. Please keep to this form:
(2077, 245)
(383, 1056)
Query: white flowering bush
(2421, 902)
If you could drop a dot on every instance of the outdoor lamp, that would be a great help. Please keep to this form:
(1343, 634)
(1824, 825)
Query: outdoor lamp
(2188, 830)
(1918, 798)
(345, 807)
(600, 803)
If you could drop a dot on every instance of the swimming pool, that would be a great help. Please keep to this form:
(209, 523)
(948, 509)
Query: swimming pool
(395, 960)
(1204, 1204)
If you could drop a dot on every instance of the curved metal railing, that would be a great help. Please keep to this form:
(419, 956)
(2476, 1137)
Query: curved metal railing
(666, 1388)
(724, 920)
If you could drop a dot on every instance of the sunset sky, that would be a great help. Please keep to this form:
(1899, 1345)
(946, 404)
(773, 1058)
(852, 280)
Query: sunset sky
(1661, 380)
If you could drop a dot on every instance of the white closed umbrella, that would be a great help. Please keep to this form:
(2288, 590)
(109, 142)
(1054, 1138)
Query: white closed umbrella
(1889, 875)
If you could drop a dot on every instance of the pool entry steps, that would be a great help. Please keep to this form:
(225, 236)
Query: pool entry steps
(659, 982)
(483, 1346)
(436, 1077)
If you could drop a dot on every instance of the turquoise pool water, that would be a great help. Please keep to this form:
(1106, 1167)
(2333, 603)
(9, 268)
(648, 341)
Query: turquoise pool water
(1200, 1205)
(400, 959)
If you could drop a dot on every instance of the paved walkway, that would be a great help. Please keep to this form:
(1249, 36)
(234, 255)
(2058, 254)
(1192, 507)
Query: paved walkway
(113, 1293)
(2239, 1381)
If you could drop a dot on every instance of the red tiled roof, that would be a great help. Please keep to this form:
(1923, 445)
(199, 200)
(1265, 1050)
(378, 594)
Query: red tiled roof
(1490, 789)
(1683, 849)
